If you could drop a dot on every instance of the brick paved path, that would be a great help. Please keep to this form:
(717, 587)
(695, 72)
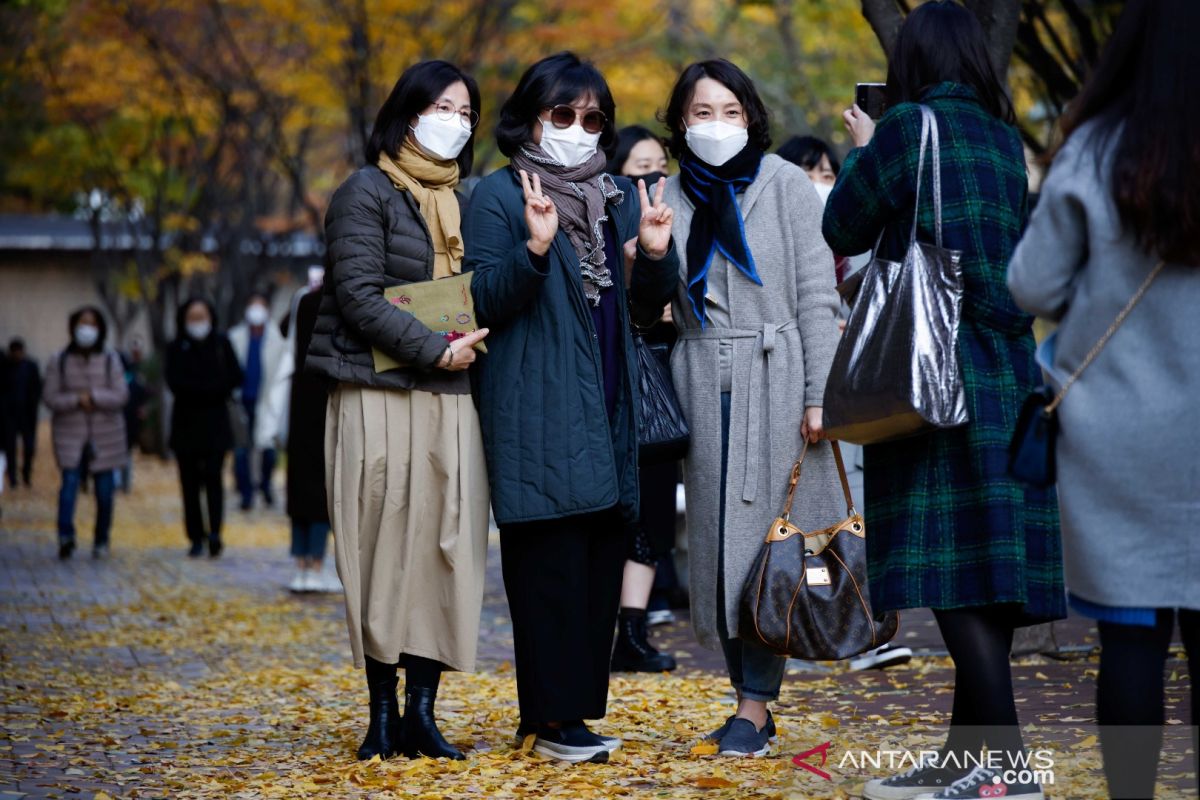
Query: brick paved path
(130, 677)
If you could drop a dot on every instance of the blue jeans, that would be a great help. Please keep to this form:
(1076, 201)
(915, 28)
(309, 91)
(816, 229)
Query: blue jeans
(309, 538)
(755, 672)
(241, 463)
(69, 493)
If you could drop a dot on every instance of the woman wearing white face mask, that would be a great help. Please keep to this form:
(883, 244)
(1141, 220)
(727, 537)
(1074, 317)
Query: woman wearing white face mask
(86, 390)
(407, 486)
(755, 307)
(558, 386)
(202, 372)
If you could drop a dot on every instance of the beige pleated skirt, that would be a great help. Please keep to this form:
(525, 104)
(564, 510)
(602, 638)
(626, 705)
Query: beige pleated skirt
(408, 500)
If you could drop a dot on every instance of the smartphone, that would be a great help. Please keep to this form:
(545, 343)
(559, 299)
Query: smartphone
(871, 98)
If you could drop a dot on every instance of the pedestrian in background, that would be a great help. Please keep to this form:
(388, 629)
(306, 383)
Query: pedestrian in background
(259, 347)
(817, 159)
(85, 391)
(202, 373)
(135, 409)
(408, 491)
(306, 496)
(950, 529)
(755, 309)
(558, 387)
(22, 393)
(1122, 196)
(640, 155)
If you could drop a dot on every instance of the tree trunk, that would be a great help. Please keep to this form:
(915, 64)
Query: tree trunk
(885, 19)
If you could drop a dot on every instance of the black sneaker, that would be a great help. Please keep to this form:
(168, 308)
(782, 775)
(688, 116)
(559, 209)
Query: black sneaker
(65, 549)
(919, 781)
(720, 732)
(981, 783)
(744, 740)
(570, 743)
(100, 552)
(197, 549)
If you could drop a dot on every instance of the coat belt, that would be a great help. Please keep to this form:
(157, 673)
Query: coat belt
(765, 336)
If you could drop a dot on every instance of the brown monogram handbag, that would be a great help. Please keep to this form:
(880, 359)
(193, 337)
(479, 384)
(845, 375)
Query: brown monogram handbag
(806, 595)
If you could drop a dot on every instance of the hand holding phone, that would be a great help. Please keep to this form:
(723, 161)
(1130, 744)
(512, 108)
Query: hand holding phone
(871, 98)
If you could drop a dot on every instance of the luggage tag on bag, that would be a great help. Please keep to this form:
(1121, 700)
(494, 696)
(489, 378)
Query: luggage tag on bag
(817, 576)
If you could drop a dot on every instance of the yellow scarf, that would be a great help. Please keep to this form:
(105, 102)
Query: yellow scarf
(432, 185)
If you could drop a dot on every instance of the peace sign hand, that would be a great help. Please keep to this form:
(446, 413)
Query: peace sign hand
(541, 217)
(654, 230)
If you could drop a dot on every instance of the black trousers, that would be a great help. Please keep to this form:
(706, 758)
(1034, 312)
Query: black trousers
(201, 472)
(27, 435)
(1129, 698)
(563, 581)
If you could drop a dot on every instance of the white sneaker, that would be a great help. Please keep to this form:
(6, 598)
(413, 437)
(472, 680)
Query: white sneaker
(299, 582)
(662, 616)
(330, 583)
(882, 657)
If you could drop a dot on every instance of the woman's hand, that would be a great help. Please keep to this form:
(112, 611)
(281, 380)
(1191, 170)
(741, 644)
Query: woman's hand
(541, 217)
(654, 230)
(859, 125)
(461, 352)
(813, 427)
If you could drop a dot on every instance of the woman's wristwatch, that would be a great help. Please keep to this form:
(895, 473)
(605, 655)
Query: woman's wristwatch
(449, 357)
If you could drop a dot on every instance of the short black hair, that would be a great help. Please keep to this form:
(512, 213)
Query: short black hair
(558, 79)
(101, 324)
(420, 86)
(806, 151)
(17, 343)
(943, 41)
(732, 78)
(628, 138)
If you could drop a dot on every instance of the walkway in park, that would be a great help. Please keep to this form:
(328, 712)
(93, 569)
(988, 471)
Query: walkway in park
(150, 675)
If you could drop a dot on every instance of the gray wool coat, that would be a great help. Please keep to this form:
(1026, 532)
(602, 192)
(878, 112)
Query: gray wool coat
(1129, 439)
(70, 374)
(784, 336)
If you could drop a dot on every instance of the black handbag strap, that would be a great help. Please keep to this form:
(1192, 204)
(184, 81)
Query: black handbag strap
(795, 479)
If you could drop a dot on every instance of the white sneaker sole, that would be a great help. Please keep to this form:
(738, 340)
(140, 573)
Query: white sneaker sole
(879, 792)
(766, 750)
(571, 755)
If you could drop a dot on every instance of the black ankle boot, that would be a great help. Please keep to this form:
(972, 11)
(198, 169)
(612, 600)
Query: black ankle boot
(384, 732)
(421, 734)
(633, 652)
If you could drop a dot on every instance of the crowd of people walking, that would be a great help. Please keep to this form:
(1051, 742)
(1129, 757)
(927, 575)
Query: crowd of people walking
(584, 248)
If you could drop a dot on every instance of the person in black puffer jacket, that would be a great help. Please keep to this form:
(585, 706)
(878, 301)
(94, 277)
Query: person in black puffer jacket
(202, 372)
(405, 472)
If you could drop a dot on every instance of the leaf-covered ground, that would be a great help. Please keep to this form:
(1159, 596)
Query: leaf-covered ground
(152, 675)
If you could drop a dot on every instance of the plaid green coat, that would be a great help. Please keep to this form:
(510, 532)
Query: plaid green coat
(947, 526)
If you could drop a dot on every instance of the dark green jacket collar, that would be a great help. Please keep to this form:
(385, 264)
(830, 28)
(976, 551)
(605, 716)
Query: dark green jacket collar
(949, 89)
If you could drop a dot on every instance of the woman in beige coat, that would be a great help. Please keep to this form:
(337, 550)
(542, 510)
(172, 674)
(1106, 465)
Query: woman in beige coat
(407, 483)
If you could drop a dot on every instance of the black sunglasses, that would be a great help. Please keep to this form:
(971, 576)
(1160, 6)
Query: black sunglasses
(564, 116)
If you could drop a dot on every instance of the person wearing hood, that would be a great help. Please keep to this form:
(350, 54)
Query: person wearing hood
(202, 373)
(86, 392)
(756, 312)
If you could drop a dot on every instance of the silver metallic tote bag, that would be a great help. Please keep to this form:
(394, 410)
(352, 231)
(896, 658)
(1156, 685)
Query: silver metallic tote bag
(896, 371)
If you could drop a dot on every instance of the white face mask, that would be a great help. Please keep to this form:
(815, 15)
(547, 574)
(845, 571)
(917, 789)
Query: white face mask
(441, 138)
(823, 190)
(86, 335)
(714, 143)
(257, 314)
(569, 146)
(199, 330)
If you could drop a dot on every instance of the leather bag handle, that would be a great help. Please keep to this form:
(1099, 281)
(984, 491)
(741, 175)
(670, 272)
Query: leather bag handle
(795, 479)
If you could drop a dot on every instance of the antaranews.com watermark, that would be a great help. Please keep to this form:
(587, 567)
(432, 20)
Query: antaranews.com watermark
(1034, 766)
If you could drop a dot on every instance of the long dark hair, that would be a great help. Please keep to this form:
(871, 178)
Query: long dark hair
(942, 41)
(558, 79)
(1143, 91)
(420, 86)
(732, 78)
(101, 324)
(628, 138)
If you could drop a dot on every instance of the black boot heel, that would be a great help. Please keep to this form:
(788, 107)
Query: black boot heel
(633, 651)
(421, 734)
(384, 733)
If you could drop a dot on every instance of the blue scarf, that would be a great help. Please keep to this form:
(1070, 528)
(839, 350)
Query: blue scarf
(717, 223)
